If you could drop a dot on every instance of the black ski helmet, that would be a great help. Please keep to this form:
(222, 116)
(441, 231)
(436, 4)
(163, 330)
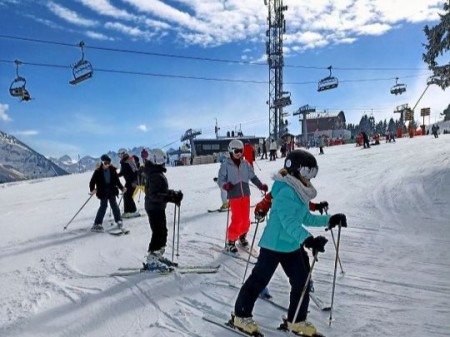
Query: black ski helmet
(302, 162)
(105, 157)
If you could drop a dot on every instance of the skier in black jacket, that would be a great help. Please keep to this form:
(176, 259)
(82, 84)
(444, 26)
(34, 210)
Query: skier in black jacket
(105, 183)
(128, 170)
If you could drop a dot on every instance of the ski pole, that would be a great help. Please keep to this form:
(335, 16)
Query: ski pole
(174, 228)
(334, 276)
(305, 287)
(259, 168)
(251, 249)
(335, 246)
(226, 227)
(178, 231)
(65, 227)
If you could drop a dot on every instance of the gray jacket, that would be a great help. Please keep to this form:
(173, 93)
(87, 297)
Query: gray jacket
(240, 176)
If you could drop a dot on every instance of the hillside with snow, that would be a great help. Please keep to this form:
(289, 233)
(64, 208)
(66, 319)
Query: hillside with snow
(395, 253)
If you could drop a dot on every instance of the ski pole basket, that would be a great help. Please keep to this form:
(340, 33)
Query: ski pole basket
(82, 70)
(17, 88)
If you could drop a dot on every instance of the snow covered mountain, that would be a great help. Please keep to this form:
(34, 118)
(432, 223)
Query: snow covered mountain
(20, 162)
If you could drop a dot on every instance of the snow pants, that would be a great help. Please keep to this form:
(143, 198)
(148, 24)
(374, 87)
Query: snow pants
(158, 225)
(240, 217)
(128, 203)
(296, 266)
(102, 209)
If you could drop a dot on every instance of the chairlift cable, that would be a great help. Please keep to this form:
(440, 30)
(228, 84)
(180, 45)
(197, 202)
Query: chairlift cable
(200, 58)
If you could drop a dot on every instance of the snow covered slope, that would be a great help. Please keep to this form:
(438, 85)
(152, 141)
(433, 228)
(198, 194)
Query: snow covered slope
(395, 253)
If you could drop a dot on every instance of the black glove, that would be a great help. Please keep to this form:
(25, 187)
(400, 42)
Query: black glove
(321, 207)
(317, 244)
(337, 219)
(174, 197)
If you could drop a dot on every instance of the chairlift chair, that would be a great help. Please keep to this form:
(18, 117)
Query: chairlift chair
(17, 87)
(398, 88)
(327, 83)
(82, 70)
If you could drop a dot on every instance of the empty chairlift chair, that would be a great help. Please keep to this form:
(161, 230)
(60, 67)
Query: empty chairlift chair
(398, 88)
(17, 88)
(82, 70)
(327, 83)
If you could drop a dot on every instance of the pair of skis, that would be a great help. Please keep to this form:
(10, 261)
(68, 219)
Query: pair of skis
(173, 267)
(231, 327)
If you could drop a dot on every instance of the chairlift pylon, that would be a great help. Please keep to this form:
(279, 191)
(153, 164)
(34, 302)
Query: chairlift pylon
(327, 83)
(17, 87)
(398, 88)
(82, 70)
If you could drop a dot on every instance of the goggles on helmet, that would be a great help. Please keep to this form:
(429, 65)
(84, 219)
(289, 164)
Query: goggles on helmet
(308, 172)
(236, 151)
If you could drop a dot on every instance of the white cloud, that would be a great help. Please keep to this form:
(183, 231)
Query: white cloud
(3, 115)
(98, 36)
(103, 7)
(69, 15)
(142, 127)
(27, 133)
(128, 30)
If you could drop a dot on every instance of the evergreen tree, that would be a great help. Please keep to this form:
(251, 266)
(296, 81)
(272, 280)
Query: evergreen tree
(438, 44)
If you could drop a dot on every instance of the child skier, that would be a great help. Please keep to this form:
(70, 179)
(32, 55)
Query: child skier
(284, 241)
(105, 183)
(157, 194)
(234, 176)
(128, 170)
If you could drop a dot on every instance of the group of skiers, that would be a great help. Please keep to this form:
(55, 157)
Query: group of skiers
(283, 240)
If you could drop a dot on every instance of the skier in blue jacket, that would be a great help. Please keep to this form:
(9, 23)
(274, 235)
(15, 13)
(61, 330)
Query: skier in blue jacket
(284, 241)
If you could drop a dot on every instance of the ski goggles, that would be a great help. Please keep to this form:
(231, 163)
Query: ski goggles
(308, 172)
(236, 151)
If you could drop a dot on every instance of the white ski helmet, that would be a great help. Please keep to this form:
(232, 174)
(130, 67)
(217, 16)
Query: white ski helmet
(235, 144)
(157, 157)
(122, 152)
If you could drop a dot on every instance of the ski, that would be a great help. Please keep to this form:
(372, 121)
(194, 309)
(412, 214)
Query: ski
(284, 327)
(233, 255)
(228, 325)
(119, 232)
(188, 269)
(219, 210)
(319, 303)
(254, 253)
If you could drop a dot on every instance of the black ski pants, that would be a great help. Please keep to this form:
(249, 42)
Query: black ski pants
(102, 209)
(296, 266)
(128, 203)
(158, 225)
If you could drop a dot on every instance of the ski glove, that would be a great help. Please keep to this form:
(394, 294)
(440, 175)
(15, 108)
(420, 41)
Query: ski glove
(264, 187)
(262, 207)
(174, 197)
(337, 219)
(321, 207)
(317, 244)
(228, 186)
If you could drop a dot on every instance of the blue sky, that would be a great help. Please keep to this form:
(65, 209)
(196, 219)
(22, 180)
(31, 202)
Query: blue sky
(368, 42)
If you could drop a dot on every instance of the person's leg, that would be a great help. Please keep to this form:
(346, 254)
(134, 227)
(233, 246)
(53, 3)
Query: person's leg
(158, 225)
(115, 208)
(259, 278)
(296, 267)
(101, 211)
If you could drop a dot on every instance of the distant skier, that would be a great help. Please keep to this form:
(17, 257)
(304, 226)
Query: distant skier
(284, 241)
(434, 130)
(128, 170)
(157, 195)
(264, 149)
(105, 183)
(234, 176)
(365, 137)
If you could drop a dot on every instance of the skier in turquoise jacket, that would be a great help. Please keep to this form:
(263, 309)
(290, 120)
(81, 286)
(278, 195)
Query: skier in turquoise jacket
(284, 241)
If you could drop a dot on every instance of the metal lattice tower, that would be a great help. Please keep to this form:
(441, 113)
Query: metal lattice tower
(274, 50)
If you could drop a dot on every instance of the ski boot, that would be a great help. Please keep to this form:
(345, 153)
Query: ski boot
(245, 324)
(97, 228)
(243, 240)
(303, 329)
(231, 247)
(155, 265)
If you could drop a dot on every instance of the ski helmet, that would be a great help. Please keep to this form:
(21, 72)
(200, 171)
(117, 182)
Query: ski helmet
(302, 162)
(105, 158)
(157, 157)
(235, 144)
(122, 152)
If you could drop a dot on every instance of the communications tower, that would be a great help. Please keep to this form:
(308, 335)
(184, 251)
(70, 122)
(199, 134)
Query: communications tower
(274, 50)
